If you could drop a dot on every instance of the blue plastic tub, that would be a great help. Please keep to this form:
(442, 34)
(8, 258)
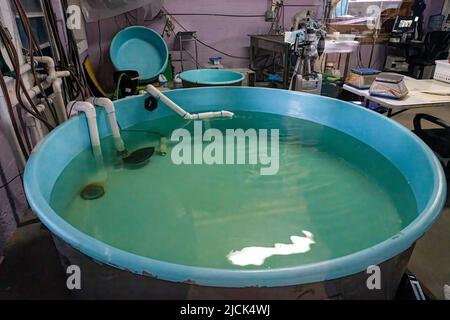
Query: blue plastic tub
(139, 276)
(141, 49)
(211, 77)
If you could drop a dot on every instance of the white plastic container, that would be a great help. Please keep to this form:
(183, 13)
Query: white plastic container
(442, 71)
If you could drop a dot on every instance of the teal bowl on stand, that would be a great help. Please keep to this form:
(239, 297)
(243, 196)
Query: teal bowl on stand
(142, 49)
(210, 78)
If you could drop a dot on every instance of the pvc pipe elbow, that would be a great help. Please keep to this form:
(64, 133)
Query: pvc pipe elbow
(108, 105)
(91, 116)
(183, 113)
(83, 106)
(48, 61)
(227, 114)
(153, 91)
(172, 105)
(103, 102)
(50, 64)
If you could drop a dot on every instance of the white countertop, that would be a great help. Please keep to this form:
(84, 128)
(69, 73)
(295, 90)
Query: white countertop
(416, 97)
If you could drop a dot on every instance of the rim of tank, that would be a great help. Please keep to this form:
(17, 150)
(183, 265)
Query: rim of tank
(190, 76)
(216, 277)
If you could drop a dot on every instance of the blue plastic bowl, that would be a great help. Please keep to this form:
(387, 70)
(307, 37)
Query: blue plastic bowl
(141, 49)
(211, 77)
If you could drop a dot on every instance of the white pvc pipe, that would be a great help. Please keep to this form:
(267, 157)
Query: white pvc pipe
(49, 64)
(34, 126)
(183, 113)
(59, 100)
(34, 91)
(91, 116)
(210, 114)
(53, 79)
(108, 105)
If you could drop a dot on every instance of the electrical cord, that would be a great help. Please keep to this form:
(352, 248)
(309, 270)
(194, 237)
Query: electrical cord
(11, 180)
(32, 46)
(203, 43)
(222, 52)
(24, 131)
(82, 89)
(12, 52)
(9, 106)
(19, 84)
(69, 91)
(220, 15)
(70, 60)
(134, 17)
(116, 92)
(100, 49)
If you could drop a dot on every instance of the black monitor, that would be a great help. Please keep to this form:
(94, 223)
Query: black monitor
(405, 24)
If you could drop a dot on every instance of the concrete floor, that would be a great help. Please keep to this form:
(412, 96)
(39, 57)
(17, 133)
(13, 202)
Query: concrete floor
(31, 269)
(430, 261)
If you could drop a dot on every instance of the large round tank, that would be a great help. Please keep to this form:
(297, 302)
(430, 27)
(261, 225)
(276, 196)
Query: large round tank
(109, 271)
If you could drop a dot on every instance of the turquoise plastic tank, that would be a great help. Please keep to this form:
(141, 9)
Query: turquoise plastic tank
(125, 274)
(139, 48)
(211, 77)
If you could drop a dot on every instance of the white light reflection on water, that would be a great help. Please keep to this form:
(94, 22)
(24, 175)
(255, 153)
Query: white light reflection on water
(257, 255)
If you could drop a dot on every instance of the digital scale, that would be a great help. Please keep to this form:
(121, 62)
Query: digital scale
(362, 78)
(389, 85)
(404, 29)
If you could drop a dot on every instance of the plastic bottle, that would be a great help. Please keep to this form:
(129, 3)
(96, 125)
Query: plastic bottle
(163, 81)
(177, 83)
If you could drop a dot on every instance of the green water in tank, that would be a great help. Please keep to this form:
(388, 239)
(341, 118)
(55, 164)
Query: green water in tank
(332, 196)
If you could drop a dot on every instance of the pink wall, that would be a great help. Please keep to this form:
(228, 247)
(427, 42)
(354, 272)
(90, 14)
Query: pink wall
(433, 7)
(229, 34)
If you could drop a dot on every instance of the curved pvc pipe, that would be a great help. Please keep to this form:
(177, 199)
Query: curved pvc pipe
(108, 105)
(183, 113)
(50, 65)
(91, 116)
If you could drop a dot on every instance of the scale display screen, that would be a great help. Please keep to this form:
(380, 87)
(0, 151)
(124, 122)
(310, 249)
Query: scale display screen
(405, 24)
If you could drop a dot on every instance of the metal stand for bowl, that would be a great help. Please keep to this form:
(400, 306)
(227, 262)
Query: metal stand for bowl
(182, 37)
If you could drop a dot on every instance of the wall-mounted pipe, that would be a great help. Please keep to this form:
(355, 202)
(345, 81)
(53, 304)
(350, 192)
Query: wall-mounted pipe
(108, 105)
(183, 113)
(7, 127)
(53, 78)
(89, 110)
(34, 126)
(61, 111)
